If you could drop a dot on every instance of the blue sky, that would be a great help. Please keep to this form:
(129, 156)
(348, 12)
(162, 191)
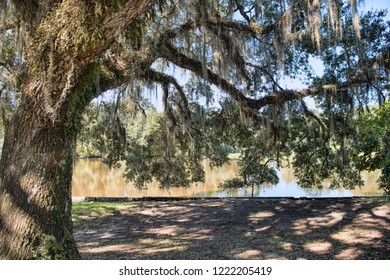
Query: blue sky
(376, 5)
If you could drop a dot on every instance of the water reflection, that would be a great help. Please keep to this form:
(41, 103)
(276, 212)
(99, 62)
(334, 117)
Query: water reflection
(93, 178)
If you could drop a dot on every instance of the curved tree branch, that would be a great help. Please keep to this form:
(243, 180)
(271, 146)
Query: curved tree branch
(277, 97)
(164, 79)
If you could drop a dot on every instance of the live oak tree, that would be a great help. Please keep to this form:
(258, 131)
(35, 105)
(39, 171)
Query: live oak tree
(61, 43)
(62, 54)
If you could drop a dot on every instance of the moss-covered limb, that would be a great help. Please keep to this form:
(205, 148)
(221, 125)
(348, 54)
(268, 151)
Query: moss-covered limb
(60, 39)
(86, 28)
(97, 78)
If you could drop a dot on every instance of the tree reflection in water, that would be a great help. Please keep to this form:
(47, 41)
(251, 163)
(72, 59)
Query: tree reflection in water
(93, 178)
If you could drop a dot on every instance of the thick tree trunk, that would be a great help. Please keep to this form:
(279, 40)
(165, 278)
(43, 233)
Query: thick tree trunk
(35, 188)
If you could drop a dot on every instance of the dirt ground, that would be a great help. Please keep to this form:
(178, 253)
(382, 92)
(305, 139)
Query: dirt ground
(235, 229)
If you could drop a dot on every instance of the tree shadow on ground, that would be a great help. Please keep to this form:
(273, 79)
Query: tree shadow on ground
(238, 229)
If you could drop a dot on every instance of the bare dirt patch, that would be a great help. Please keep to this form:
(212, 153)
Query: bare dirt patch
(236, 229)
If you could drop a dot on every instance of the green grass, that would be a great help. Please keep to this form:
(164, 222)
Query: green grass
(100, 208)
(88, 210)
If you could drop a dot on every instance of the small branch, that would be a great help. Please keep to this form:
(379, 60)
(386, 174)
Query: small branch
(173, 33)
(242, 12)
(252, 28)
(314, 116)
(6, 67)
(267, 73)
(167, 108)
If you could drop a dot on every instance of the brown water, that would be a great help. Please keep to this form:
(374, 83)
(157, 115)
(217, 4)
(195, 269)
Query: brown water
(93, 178)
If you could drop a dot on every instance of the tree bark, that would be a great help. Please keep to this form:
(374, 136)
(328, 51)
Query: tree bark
(35, 188)
(36, 170)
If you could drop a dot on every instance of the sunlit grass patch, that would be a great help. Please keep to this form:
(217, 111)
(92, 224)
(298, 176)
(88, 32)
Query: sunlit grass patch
(89, 210)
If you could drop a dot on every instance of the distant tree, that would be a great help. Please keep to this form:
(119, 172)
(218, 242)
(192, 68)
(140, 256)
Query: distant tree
(325, 150)
(372, 148)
